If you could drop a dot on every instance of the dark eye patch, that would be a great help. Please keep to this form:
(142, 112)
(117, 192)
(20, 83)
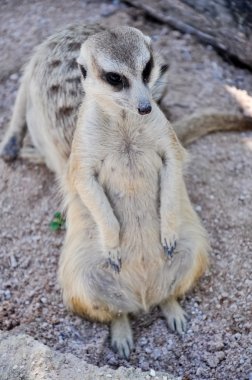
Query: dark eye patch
(116, 80)
(147, 70)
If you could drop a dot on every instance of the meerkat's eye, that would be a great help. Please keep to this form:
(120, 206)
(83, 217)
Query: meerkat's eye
(147, 70)
(114, 79)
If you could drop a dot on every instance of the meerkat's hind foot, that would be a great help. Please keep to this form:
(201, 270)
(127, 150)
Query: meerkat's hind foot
(122, 337)
(9, 150)
(175, 316)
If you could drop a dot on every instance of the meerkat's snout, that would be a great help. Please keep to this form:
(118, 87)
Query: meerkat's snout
(144, 108)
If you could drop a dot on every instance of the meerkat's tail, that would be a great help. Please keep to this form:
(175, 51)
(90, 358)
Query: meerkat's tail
(13, 139)
(197, 125)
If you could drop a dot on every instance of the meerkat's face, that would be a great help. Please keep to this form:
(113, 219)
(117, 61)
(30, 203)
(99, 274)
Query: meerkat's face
(120, 69)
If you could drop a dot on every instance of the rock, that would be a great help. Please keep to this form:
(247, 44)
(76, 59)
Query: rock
(145, 366)
(214, 359)
(198, 208)
(13, 261)
(216, 344)
(143, 341)
(152, 373)
(7, 294)
(22, 357)
(156, 353)
(14, 77)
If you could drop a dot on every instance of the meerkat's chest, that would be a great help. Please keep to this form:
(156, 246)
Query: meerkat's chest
(132, 165)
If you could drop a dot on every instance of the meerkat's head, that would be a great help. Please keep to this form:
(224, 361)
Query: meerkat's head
(120, 69)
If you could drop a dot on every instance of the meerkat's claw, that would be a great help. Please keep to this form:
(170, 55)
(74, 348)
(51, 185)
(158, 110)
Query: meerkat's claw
(169, 249)
(179, 325)
(115, 266)
(115, 260)
(123, 349)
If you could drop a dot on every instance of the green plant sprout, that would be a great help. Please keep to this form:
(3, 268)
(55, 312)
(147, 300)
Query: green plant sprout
(58, 222)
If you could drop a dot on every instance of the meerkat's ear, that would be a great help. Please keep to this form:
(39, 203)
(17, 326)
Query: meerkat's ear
(82, 64)
(83, 70)
(164, 68)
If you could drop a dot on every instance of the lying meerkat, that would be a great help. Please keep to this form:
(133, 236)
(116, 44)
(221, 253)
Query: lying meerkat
(50, 94)
(133, 239)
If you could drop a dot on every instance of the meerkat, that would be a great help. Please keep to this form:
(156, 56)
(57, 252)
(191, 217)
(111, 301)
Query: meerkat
(133, 240)
(50, 94)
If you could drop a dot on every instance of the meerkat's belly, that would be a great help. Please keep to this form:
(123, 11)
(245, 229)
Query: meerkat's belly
(132, 185)
(131, 182)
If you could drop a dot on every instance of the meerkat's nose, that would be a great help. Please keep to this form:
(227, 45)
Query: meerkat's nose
(144, 108)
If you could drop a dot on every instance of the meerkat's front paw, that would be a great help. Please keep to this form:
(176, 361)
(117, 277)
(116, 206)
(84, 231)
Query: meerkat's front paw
(114, 259)
(111, 245)
(169, 242)
(169, 247)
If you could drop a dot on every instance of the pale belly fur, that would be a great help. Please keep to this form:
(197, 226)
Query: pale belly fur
(131, 183)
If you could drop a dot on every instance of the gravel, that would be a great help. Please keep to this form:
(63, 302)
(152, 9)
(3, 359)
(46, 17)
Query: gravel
(217, 344)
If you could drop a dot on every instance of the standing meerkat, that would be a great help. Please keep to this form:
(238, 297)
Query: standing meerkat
(47, 103)
(133, 239)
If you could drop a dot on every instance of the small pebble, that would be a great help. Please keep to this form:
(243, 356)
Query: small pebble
(152, 373)
(198, 208)
(156, 353)
(199, 371)
(7, 294)
(13, 261)
(145, 366)
(14, 77)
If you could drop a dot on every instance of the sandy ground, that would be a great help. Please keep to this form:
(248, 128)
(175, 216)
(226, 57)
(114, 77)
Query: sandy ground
(217, 344)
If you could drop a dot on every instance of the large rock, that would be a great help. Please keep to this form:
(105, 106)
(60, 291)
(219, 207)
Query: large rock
(23, 358)
(224, 24)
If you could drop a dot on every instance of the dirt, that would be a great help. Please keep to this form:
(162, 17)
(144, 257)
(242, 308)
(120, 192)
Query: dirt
(217, 344)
